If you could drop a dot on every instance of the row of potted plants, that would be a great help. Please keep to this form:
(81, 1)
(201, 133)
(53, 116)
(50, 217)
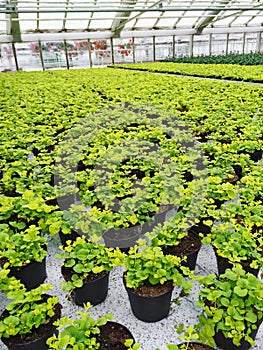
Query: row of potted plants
(231, 304)
(211, 70)
(249, 59)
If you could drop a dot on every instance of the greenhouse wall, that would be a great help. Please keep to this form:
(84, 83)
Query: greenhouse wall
(69, 54)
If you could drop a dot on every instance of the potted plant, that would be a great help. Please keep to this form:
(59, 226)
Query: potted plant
(174, 238)
(231, 309)
(24, 253)
(149, 277)
(238, 238)
(86, 269)
(27, 321)
(191, 340)
(89, 333)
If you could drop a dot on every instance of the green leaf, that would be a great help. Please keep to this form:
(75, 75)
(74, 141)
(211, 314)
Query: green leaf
(251, 316)
(240, 292)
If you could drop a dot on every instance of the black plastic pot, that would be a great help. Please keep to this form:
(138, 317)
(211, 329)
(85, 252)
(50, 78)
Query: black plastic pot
(94, 292)
(226, 343)
(194, 242)
(223, 264)
(64, 202)
(150, 309)
(256, 155)
(31, 275)
(124, 238)
(113, 335)
(37, 339)
(39, 344)
(158, 218)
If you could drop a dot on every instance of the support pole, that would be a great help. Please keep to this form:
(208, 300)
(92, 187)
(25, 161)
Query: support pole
(133, 51)
(112, 51)
(227, 43)
(15, 56)
(173, 45)
(89, 52)
(66, 53)
(154, 52)
(243, 43)
(41, 55)
(191, 46)
(210, 44)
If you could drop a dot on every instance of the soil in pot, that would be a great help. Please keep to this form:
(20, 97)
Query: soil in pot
(113, 335)
(36, 340)
(72, 236)
(150, 303)
(94, 289)
(189, 247)
(201, 227)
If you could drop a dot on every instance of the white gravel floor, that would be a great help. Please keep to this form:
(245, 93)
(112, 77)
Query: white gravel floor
(150, 335)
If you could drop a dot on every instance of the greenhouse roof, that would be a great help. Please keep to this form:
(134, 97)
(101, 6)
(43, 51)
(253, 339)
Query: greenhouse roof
(126, 18)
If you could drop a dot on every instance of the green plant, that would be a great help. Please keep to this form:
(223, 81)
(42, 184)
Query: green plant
(172, 231)
(150, 264)
(231, 304)
(28, 311)
(80, 334)
(21, 248)
(11, 286)
(239, 235)
(86, 258)
(129, 170)
(237, 243)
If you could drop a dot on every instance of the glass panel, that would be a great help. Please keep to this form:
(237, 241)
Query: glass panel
(100, 52)
(182, 46)
(28, 22)
(187, 21)
(218, 44)
(7, 61)
(201, 45)
(163, 47)
(251, 42)
(2, 23)
(235, 43)
(123, 50)
(144, 49)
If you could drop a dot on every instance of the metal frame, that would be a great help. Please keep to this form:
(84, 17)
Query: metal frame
(124, 15)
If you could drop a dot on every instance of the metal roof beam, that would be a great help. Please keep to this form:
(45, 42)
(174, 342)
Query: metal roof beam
(118, 24)
(207, 20)
(119, 28)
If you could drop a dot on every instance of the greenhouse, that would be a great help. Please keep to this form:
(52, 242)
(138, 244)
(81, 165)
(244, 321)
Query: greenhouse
(131, 175)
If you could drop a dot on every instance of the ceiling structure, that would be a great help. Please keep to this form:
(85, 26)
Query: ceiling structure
(126, 18)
